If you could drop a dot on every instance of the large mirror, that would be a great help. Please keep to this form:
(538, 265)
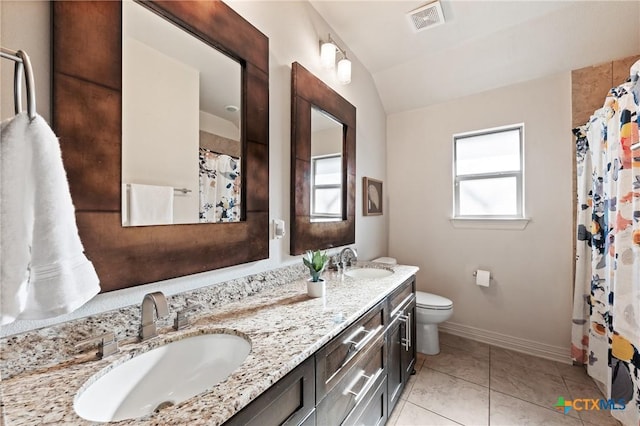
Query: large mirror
(323, 165)
(186, 173)
(87, 116)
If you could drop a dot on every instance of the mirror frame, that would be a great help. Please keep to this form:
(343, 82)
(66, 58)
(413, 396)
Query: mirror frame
(307, 91)
(86, 115)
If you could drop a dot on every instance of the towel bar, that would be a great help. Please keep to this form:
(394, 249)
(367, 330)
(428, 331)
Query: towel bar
(183, 190)
(23, 64)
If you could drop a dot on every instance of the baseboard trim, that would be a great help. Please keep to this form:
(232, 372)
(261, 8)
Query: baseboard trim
(529, 347)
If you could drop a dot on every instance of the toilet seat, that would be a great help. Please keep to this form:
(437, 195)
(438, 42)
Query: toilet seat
(432, 301)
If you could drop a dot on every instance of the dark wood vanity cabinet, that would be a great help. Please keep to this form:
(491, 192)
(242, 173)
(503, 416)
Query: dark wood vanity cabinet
(355, 379)
(401, 355)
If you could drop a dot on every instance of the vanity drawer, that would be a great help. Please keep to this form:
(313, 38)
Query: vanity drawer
(373, 410)
(355, 387)
(339, 355)
(401, 295)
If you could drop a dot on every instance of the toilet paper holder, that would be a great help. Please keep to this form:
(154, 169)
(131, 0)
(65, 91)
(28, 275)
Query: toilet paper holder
(483, 278)
(475, 274)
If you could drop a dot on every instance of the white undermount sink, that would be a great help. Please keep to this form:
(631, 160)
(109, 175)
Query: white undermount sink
(162, 377)
(368, 273)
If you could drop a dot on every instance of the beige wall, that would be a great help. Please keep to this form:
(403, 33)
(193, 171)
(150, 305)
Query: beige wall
(294, 29)
(25, 25)
(530, 296)
(160, 128)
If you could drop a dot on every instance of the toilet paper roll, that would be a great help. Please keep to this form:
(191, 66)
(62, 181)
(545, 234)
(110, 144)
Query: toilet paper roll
(483, 278)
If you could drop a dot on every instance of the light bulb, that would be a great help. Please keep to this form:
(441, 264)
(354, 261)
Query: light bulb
(344, 71)
(328, 55)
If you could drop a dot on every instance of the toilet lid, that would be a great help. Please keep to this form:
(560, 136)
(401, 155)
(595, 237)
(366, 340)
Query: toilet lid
(428, 300)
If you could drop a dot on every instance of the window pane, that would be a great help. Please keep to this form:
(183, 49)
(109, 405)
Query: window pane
(328, 171)
(498, 196)
(327, 201)
(488, 153)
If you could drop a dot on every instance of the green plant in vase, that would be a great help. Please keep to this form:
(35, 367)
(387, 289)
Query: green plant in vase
(316, 262)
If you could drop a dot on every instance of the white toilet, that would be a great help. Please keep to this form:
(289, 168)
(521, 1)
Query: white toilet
(431, 310)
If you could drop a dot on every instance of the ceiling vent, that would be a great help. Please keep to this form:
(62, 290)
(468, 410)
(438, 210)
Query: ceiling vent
(427, 16)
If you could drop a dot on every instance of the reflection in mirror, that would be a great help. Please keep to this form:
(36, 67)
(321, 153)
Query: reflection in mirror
(181, 127)
(326, 167)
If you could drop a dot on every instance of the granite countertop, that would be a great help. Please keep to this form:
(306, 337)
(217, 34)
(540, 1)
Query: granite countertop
(284, 325)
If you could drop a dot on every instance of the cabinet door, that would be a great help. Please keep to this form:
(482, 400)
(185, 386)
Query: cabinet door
(395, 370)
(402, 350)
(408, 339)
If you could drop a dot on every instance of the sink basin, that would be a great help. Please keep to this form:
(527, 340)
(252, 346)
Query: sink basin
(368, 273)
(161, 377)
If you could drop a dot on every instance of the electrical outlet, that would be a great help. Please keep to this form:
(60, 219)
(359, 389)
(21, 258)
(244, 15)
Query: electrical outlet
(278, 229)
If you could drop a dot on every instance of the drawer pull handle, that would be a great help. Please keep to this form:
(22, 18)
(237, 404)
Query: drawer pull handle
(406, 340)
(402, 304)
(363, 391)
(369, 334)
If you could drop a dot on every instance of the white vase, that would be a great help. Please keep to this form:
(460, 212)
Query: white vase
(316, 289)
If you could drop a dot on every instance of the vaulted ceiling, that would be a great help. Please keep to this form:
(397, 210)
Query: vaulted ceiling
(482, 45)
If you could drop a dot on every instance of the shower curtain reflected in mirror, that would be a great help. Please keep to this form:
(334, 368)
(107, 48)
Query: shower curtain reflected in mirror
(606, 312)
(219, 187)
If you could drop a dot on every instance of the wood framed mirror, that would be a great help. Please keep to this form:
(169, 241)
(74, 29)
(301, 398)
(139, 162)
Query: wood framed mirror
(87, 117)
(331, 226)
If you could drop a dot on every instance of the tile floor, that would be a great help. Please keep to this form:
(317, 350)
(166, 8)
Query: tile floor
(475, 384)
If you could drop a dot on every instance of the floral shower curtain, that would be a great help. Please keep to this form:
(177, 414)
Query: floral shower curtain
(606, 312)
(219, 187)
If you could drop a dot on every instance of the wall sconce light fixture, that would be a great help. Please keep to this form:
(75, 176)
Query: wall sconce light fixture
(328, 50)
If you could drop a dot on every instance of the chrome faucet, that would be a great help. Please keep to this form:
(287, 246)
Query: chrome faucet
(152, 302)
(353, 254)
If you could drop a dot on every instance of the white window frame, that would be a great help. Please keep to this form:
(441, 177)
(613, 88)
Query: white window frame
(519, 219)
(314, 187)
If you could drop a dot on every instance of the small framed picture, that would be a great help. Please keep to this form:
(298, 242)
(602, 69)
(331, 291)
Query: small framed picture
(372, 196)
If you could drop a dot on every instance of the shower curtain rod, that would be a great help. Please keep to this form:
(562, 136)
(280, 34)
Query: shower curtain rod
(23, 64)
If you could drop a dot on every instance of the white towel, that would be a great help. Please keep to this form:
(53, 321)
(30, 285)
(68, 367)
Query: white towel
(44, 272)
(150, 205)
